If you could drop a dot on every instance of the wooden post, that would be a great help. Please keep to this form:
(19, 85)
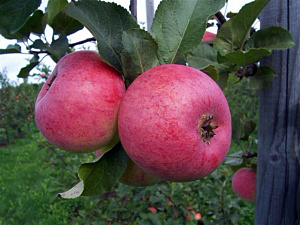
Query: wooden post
(150, 13)
(278, 174)
(133, 8)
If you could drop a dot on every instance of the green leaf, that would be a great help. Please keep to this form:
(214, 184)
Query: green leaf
(106, 21)
(272, 38)
(242, 127)
(63, 24)
(55, 7)
(248, 128)
(244, 58)
(262, 78)
(74, 192)
(235, 32)
(203, 56)
(180, 25)
(99, 176)
(24, 72)
(36, 23)
(59, 21)
(234, 159)
(39, 44)
(236, 128)
(59, 47)
(139, 53)
(223, 80)
(15, 13)
(11, 49)
(211, 71)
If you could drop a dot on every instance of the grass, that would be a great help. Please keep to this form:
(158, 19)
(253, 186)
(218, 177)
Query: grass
(27, 186)
(32, 172)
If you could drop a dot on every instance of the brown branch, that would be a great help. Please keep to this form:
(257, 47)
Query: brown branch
(220, 18)
(82, 42)
(70, 45)
(249, 155)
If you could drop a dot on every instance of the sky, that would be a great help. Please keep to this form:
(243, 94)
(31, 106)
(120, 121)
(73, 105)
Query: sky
(12, 63)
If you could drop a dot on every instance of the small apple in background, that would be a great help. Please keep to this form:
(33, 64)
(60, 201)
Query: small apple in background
(244, 184)
(175, 123)
(169, 203)
(135, 176)
(77, 108)
(209, 37)
(152, 210)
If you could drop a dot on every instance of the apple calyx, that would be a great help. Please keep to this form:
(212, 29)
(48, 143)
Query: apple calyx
(205, 128)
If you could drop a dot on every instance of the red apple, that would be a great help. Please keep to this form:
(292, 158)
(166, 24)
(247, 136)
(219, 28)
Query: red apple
(152, 210)
(244, 184)
(135, 176)
(209, 37)
(175, 123)
(77, 108)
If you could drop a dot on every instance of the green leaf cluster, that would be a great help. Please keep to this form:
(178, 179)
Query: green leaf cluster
(21, 19)
(235, 50)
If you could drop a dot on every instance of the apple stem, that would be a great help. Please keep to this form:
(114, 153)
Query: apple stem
(205, 128)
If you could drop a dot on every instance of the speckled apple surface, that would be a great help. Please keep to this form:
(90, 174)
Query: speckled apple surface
(244, 184)
(159, 118)
(77, 108)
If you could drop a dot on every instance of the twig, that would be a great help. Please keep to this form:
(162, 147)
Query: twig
(169, 197)
(70, 45)
(82, 42)
(249, 155)
(220, 18)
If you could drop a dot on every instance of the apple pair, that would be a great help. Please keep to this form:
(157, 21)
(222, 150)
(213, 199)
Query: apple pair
(173, 121)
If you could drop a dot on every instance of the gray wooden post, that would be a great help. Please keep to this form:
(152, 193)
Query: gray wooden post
(133, 8)
(150, 13)
(278, 174)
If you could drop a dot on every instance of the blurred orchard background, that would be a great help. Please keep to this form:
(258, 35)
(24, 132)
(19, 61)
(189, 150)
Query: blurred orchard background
(32, 171)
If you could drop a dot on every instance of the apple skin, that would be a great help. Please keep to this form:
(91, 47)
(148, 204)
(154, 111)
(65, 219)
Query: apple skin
(135, 176)
(208, 37)
(244, 184)
(159, 121)
(78, 111)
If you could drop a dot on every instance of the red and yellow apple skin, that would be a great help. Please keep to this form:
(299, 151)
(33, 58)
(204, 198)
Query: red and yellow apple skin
(244, 184)
(209, 37)
(77, 108)
(175, 123)
(135, 176)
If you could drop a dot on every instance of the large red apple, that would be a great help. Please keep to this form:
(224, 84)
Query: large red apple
(135, 176)
(175, 123)
(244, 184)
(77, 107)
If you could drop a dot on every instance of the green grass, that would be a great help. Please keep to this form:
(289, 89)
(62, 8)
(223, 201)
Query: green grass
(32, 172)
(26, 185)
